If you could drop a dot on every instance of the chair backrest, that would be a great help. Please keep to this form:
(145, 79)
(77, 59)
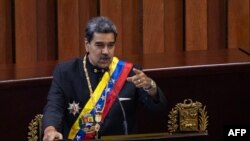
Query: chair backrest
(35, 128)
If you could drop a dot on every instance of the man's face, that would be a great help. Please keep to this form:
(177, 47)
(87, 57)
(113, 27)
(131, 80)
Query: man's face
(101, 49)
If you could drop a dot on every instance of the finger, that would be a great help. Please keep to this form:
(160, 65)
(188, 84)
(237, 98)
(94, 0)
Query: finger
(50, 137)
(130, 79)
(59, 136)
(46, 137)
(137, 71)
(133, 80)
(139, 85)
(139, 82)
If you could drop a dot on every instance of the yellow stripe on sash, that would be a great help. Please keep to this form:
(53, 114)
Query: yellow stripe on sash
(94, 98)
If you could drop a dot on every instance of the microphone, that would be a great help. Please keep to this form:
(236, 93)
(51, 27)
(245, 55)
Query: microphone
(125, 124)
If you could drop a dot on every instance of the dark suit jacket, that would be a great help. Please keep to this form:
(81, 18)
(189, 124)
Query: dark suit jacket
(69, 84)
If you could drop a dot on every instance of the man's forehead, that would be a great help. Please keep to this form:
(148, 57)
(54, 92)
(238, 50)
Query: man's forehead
(103, 37)
(103, 34)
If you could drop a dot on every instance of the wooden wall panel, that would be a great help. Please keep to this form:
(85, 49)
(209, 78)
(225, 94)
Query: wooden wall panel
(26, 32)
(173, 25)
(132, 31)
(46, 30)
(217, 24)
(153, 26)
(6, 46)
(196, 25)
(68, 29)
(238, 23)
(6, 71)
(113, 10)
(87, 10)
(126, 16)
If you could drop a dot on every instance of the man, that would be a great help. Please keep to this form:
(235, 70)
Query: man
(97, 95)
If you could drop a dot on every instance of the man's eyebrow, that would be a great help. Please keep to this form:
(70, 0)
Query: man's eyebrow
(100, 42)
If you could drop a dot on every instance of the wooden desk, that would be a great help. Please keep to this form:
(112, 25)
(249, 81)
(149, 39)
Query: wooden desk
(158, 136)
(197, 62)
(245, 50)
(154, 136)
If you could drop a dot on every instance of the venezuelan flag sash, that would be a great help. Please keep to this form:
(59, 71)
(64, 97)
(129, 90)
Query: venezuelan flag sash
(102, 99)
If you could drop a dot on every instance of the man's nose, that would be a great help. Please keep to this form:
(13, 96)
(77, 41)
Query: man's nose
(105, 50)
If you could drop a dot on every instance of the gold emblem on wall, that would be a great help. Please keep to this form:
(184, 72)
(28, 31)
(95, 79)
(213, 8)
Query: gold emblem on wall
(188, 116)
(35, 131)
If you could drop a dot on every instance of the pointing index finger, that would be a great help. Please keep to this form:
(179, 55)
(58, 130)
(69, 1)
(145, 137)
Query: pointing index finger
(136, 71)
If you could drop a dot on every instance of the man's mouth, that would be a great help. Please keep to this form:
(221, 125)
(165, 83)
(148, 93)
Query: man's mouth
(105, 59)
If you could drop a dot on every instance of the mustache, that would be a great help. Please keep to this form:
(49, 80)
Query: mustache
(105, 57)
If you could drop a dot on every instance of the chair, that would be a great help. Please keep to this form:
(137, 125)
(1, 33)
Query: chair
(35, 128)
(188, 116)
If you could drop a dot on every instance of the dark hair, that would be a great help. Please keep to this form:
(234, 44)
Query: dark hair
(99, 25)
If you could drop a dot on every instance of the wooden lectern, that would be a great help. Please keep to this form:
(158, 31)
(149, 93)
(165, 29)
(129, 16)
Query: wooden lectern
(158, 136)
(155, 137)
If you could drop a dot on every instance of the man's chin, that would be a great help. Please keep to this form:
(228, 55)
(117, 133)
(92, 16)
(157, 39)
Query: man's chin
(103, 66)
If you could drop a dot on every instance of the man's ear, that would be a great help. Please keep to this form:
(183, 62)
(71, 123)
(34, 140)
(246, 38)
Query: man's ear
(86, 43)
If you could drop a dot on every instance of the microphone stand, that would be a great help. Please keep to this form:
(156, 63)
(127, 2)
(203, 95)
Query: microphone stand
(125, 124)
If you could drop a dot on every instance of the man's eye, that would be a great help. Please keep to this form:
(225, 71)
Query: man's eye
(111, 45)
(100, 45)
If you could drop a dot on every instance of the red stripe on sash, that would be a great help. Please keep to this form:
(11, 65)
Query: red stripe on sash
(118, 85)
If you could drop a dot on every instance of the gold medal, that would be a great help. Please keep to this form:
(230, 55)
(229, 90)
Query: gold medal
(98, 117)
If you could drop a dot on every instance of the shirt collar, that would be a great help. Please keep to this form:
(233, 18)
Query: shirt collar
(94, 69)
